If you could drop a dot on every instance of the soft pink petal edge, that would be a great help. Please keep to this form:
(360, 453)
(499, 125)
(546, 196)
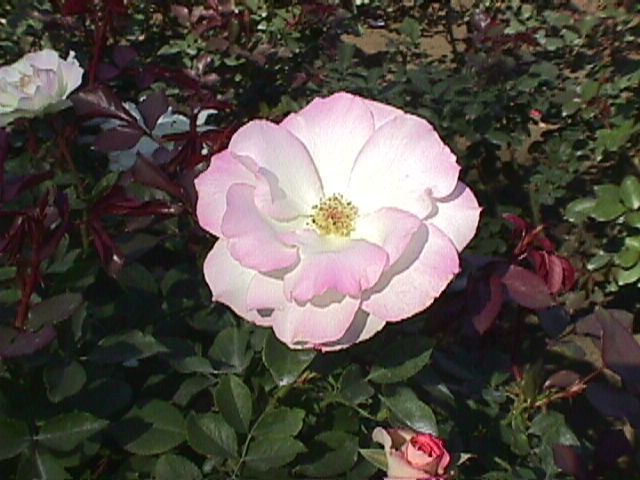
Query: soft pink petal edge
(457, 215)
(212, 186)
(253, 239)
(417, 279)
(334, 129)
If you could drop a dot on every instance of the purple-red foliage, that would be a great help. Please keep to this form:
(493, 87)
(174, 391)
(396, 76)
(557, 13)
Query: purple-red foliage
(531, 278)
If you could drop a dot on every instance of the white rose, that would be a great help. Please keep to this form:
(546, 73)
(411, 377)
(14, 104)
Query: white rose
(38, 83)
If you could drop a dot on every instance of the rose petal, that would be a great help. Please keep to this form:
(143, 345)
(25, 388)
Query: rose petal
(71, 73)
(253, 239)
(228, 280)
(334, 129)
(402, 165)
(278, 151)
(420, 275)
(323, 320)
(364, 326)
(397, 467)
(265, 294)
(457, 215)
(390, 228)
(212, 186)
(43, 59)
(329, 263)
(382, 113)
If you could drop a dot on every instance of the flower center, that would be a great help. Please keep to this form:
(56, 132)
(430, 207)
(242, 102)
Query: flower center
(335, 216)
(25, 82)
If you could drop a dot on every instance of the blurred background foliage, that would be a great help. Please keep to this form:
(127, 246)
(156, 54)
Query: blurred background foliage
(113, 362)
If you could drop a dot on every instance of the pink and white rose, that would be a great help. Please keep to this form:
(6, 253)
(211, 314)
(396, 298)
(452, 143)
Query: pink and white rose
(411, 455)
(345, 216)
(38, 83)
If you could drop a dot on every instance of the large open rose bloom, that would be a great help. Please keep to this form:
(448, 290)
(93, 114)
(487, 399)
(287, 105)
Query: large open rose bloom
(345, 216)
(38, 83)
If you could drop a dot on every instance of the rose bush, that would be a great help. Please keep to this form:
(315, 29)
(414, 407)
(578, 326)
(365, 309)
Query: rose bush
(343, 217)
(38, 83)
(413, 456)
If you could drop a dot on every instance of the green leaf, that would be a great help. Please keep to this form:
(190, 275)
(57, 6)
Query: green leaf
(578, 210)
(625, 277)
(498, 137)
(151, 429)
(280, 421)
(64, 380)
(14, 437)
(233, 399)
(598, 262)
(37, 464)
(341, 458)
(124, 347)
(411, 411)
(189, 388)
(627, 257)
(632, 219)
(410, 27)
(551, 426)
(54, 310)
(208, 434)
(192, 364)
(589, 89)
(284, 364)
(174, 467)
(270, 451)
(65, 432)
(607, 209)
(630, 192)
(352, 387)
(376, 456)
(615, 138)
(401, 361)
(230, 348)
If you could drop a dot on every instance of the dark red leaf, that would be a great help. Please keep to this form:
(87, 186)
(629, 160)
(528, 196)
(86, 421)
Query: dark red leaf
(151, 175)
(76, 7)
(50, 245)
(520, 224)
(569, 460)
(152, 108)
(562, 380)
(526, 288)
(568, 274)
(613, 402)
(610, 447)
(14, 343)
(123, 56)
(590, 324)
(110, 254)
(122, 137)
(15, 186)
(489, 299)
(107, 72)
(620, 351)
(99, 101)
(555, 273)
(178, 77)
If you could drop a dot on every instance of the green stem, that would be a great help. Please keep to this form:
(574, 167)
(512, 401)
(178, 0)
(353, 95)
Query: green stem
(279, 395)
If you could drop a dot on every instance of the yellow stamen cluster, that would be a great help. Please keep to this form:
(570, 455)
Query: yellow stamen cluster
(335, 216)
